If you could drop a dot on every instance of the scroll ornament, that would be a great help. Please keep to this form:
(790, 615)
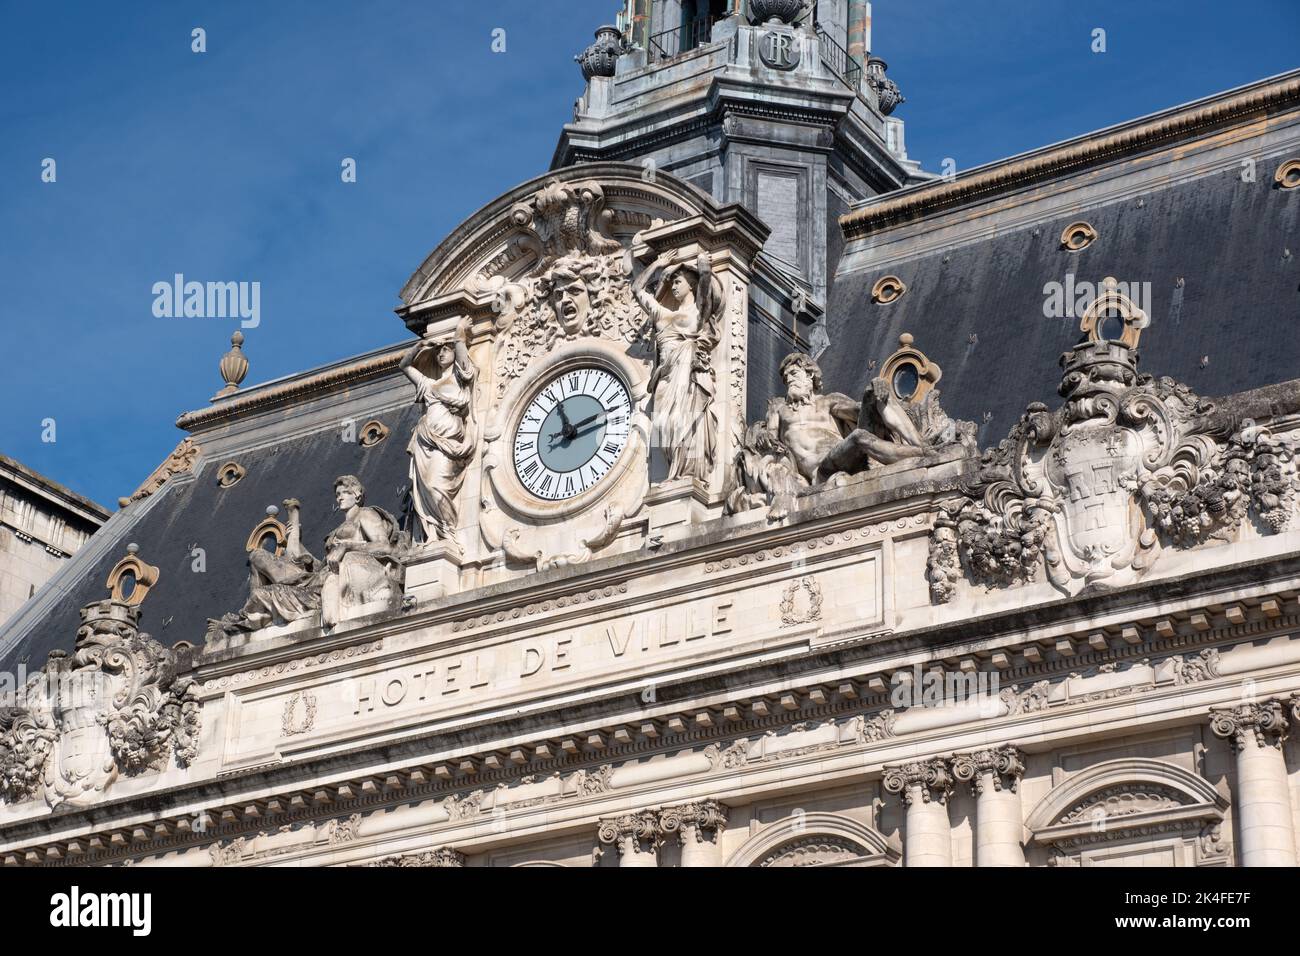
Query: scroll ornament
(117, 704)
(1090, 495)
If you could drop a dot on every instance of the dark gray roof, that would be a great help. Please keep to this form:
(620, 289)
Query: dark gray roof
(199, 513)
(977, 308)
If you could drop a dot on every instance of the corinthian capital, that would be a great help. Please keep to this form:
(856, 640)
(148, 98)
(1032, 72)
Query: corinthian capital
(1000, 768)
(930, 780)
(703, 820)
(1261, 723)
(638, 832)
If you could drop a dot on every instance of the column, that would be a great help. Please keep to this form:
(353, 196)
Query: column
(699, 827)
(994, 776)
(636, 836)
(1263, 800)
(924, 787)
(859, 25)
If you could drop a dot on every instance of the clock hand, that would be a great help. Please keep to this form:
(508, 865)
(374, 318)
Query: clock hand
(568, 429)
(588, 420)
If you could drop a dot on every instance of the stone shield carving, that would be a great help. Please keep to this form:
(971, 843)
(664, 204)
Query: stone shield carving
(1090, 494)
(115, 705)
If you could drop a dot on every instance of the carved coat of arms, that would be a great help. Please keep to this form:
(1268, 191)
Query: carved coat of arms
(1090, 494)
(114, 705)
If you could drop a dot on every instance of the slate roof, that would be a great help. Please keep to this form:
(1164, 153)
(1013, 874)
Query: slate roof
(977, 308)
(199, 513)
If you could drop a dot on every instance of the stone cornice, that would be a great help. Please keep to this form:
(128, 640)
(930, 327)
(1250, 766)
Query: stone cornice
(1163, 130)
(736, 715)
(300, 388)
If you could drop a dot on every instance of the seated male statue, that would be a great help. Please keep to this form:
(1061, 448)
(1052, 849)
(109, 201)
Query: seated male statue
(827, 435)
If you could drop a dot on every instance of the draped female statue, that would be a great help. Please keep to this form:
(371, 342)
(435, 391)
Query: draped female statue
(443, 443)
(685, 424)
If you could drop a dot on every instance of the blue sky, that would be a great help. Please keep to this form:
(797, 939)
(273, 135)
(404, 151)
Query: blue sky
(225, 165)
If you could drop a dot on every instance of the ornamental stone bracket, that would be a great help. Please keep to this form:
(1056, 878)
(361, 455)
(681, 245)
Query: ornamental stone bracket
(116, 705)
(180, 462)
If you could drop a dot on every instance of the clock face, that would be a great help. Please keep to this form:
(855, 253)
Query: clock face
(572, 433)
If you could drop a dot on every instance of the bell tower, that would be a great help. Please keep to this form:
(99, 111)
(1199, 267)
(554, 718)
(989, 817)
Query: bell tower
(774, 104)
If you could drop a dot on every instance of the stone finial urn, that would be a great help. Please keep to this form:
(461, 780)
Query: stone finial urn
(600, 58)
(234, 366)
(763, 11)
(887, 93)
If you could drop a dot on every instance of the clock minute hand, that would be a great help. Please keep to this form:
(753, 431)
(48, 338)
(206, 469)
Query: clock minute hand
(588, 420)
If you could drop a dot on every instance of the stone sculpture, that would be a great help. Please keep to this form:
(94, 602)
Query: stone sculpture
(115, 705)
(363, 565)
(579, 285)
(443, 444)
(684, 424)
(1090, 494)
(811, 439)
(282, 587)
(362, 555)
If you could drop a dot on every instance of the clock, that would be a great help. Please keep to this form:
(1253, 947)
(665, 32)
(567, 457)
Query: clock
(572, 432)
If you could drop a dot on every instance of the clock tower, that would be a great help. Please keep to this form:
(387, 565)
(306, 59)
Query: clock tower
(778, 105)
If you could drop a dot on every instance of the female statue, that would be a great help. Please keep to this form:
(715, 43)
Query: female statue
(361, 555)
(686, 332)
(443, 443)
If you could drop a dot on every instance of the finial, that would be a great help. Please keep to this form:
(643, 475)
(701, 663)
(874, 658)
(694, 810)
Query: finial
(272, 511)
(234, 366)
(905, 339)
(132, 548)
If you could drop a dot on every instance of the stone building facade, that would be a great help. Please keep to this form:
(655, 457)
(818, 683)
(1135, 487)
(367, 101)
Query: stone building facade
(42, 524)
(615, 565)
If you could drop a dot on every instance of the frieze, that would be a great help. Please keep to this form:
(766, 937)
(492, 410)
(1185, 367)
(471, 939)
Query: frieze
(816, 850)
(797, 549)
(344, 830)
(180, 835)
(539, 607)
(1194, 668)
(289, 667)
(1124, 800)
(442, 857)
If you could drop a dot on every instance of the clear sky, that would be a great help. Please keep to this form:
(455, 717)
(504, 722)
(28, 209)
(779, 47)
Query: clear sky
(225, 165)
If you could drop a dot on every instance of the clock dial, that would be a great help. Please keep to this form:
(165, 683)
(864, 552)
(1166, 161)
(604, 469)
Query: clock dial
(572, 433)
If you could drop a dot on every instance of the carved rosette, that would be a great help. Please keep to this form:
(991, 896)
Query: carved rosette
(1262, 724)
(632, 833)
(928, 780)
(1000, 768)
(702, 821)
(115, 705)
